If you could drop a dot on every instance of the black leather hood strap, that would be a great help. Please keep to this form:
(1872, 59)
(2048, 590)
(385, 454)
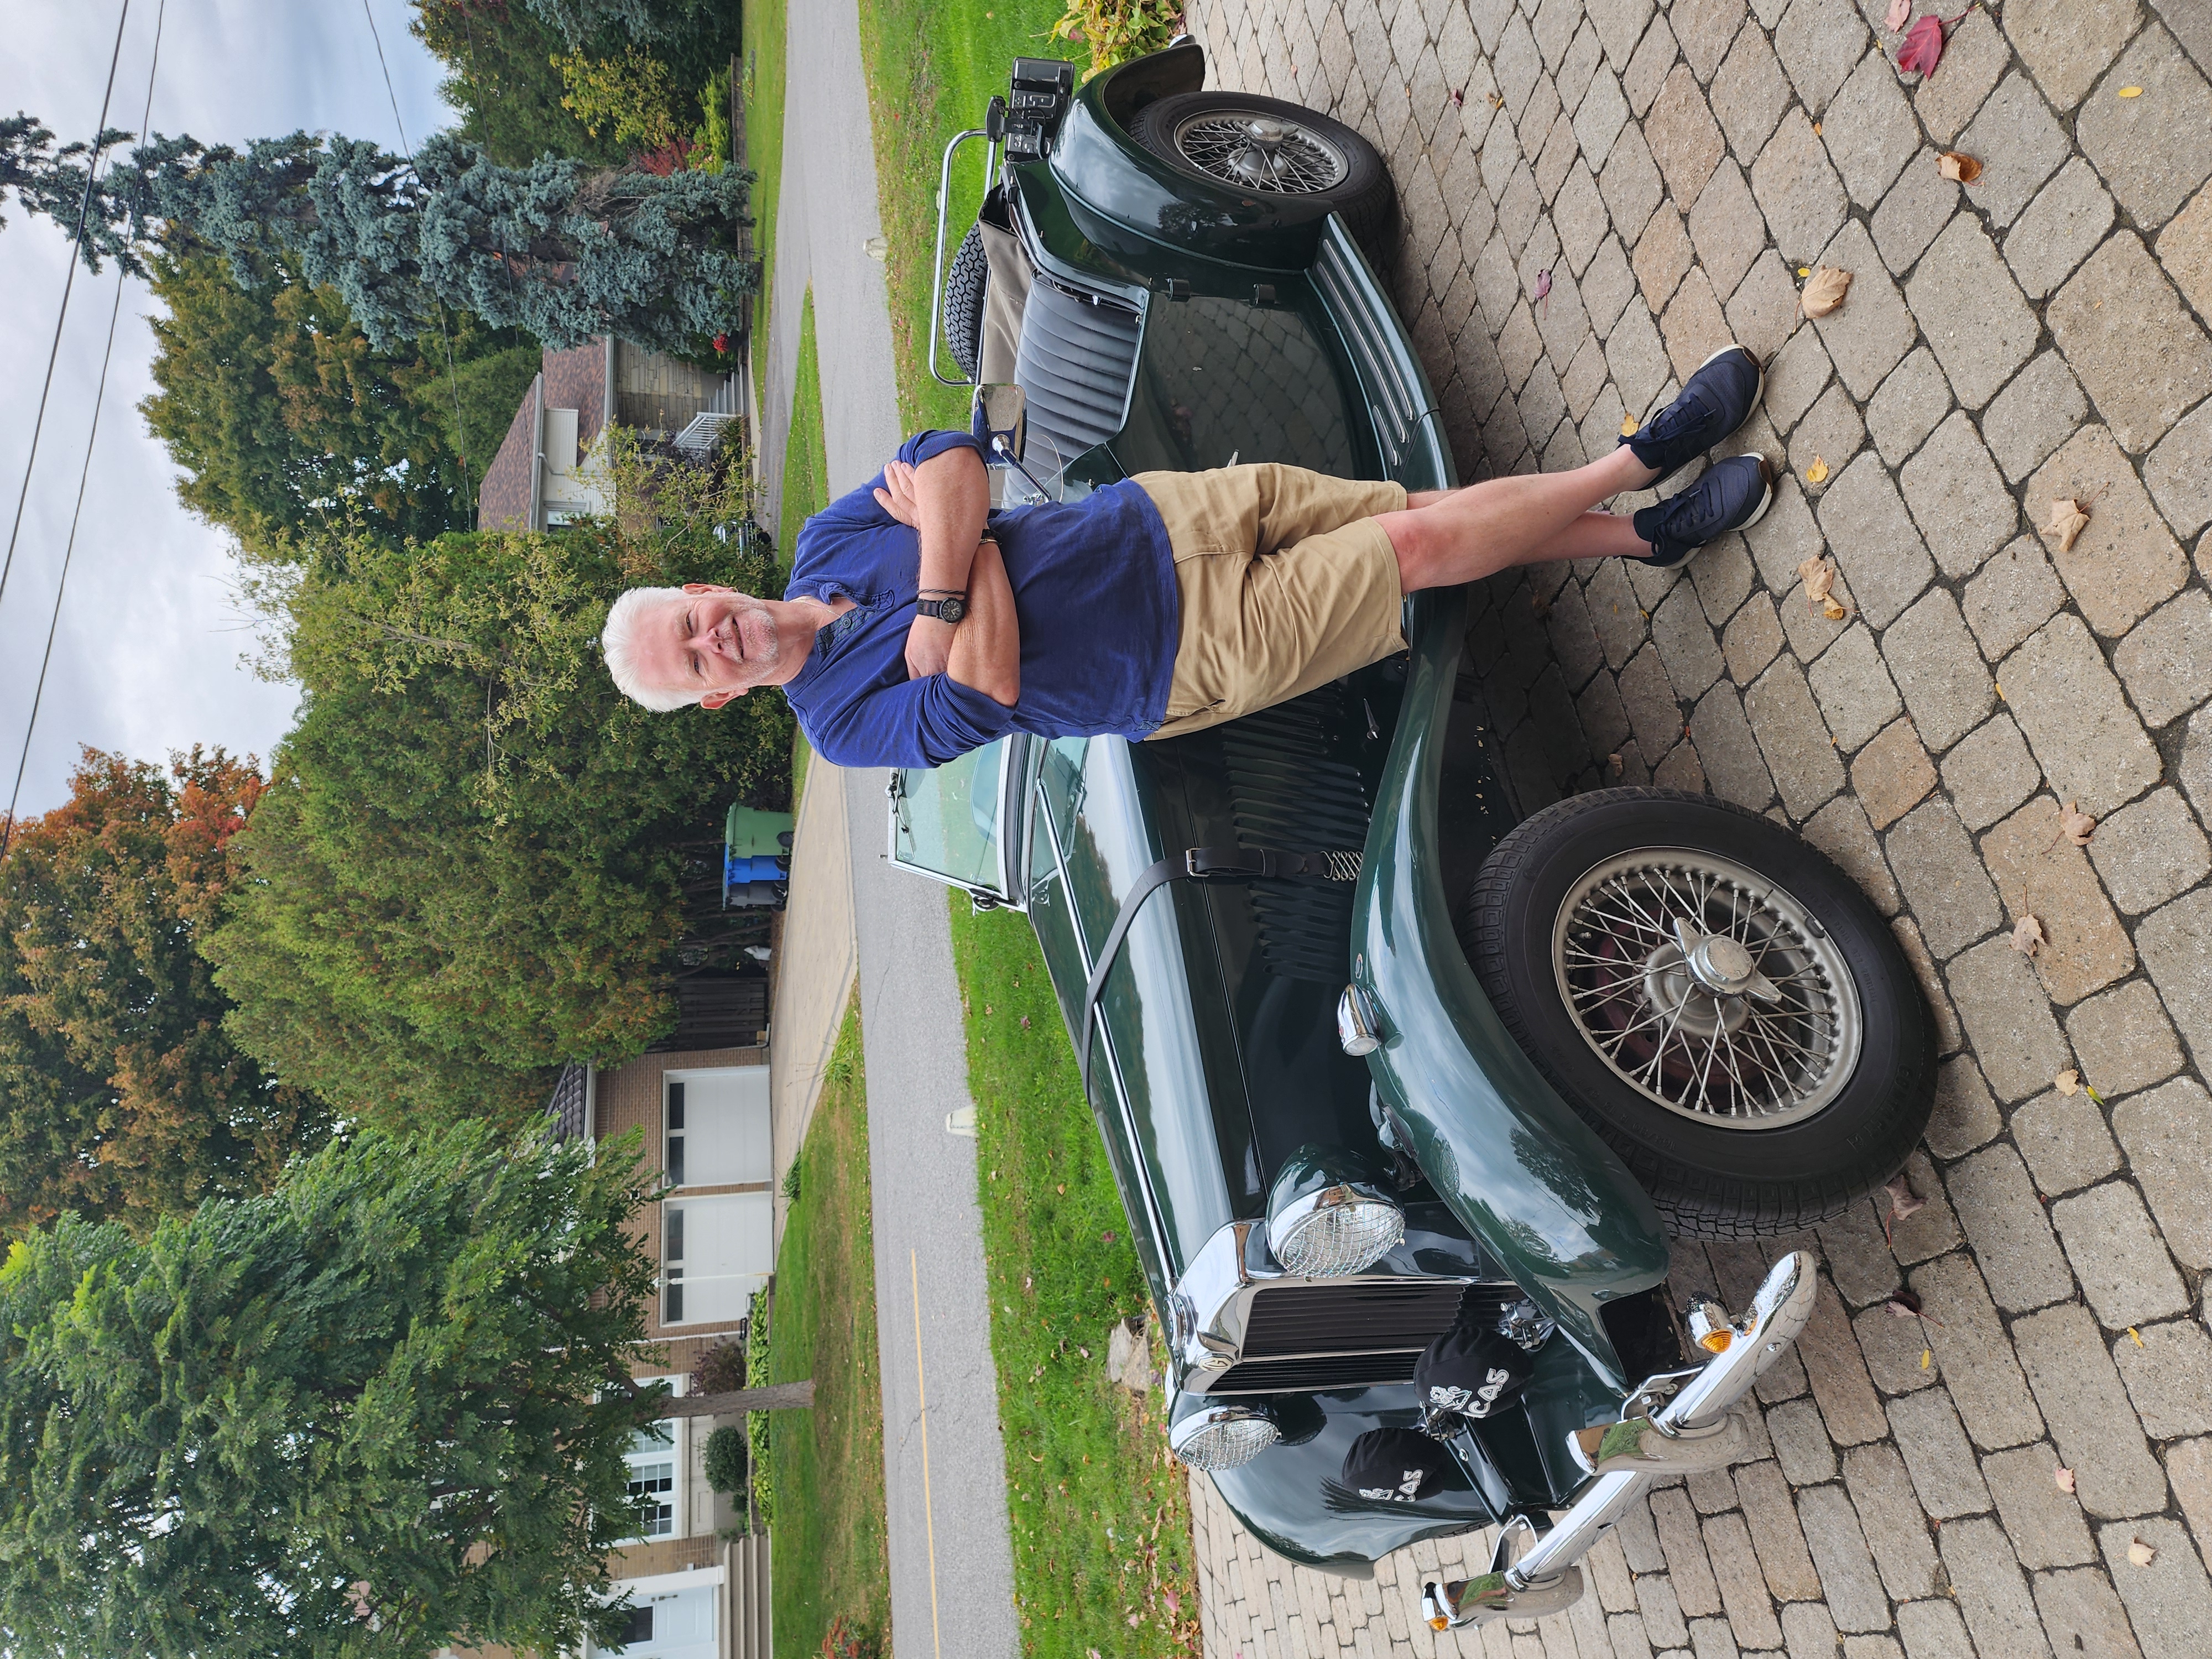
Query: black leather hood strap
(1208, 863)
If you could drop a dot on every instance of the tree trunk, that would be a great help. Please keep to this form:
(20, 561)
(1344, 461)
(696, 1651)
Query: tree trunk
(782, 1396)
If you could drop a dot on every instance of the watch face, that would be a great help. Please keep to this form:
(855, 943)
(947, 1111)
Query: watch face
(952, 610)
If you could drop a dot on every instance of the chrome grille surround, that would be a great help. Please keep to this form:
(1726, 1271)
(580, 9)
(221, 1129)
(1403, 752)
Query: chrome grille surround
(1241, 1325)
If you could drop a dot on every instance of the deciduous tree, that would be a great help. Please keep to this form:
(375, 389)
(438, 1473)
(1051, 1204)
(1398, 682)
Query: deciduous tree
(381, 1409)
(121, 1095)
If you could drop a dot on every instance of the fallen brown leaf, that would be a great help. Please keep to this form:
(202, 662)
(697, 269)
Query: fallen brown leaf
(1824, 290)
(2141, 1554)
(2064, 1478)
(1833, 609)
(2131, 92)
(1904, 1201)
(2027, 935)
(2068, 521)
(2076, 825)
(1819, 576)
(1628, 426)
(1818, 472)
(1903, 1305)
(1900, 14)
(2067, 1082)
(1614, 758)
(1958, 169)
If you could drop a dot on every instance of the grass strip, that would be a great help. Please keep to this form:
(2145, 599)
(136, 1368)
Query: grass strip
(1101, 1515)
(764, 33)
(931, 67)
(826, 1464)
(805, 450)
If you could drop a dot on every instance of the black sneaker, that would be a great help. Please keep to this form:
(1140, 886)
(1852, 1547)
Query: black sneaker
(1730, 495)
(1717, 400)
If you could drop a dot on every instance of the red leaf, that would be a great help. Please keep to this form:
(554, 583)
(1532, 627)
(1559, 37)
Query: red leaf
(1924, 46)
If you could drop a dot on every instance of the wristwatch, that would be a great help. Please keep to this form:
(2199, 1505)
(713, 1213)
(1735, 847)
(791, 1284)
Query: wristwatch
(950, 610)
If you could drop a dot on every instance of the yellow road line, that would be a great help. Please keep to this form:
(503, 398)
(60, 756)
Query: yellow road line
(922, 1396)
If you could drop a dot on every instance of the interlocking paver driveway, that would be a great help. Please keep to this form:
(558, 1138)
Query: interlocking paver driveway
(2041, 334)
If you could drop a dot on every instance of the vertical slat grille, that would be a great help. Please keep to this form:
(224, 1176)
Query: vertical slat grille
(1075, 363)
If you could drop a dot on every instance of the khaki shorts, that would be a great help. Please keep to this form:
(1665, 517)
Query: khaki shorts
(1286, 581)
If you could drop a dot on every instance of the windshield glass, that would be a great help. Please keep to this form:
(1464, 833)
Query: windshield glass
(945, 818)
(1222, 381)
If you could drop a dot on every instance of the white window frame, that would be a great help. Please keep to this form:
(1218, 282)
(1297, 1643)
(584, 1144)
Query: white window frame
(678, 1431)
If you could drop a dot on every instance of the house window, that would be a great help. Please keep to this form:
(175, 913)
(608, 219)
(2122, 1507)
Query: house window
(652, 1478)
(639, 1627)
(678, 1135)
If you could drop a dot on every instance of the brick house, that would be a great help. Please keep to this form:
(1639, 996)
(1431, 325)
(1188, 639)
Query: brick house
(702, 1113)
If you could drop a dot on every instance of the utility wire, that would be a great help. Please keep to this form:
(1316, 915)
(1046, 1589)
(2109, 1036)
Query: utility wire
(77, 246)
(460, 430)
(69, 551)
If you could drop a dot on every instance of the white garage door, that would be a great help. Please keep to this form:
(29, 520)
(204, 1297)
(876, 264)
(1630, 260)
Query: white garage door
(716, 1253)
(717, 1126)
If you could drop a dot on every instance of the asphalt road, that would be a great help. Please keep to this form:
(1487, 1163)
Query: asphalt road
(952, 1565)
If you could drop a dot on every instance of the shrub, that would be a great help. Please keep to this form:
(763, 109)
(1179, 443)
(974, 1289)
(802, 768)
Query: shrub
(727, 1458)
(845, 1640)
(1118, 30)
(630, 96)
(757, 1376)
(721, 1369)
(791, 1180)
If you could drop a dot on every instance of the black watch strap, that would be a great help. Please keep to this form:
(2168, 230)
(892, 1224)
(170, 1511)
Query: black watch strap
(950, 610)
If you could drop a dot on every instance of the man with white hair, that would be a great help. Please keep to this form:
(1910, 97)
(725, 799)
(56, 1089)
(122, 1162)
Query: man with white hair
(919, 624)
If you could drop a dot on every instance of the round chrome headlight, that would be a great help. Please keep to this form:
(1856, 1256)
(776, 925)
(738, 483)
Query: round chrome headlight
(1223, 1437)
(1336, 1231)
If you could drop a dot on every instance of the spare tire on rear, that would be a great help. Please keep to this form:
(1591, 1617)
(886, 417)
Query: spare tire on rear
(1721, 1003)
(964, 285)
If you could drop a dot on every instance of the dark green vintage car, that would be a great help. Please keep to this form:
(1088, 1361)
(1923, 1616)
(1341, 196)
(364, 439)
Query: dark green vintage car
(1372, 1057)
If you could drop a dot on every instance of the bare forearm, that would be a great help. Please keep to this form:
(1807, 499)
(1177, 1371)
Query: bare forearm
(952, 502)
(986, 646)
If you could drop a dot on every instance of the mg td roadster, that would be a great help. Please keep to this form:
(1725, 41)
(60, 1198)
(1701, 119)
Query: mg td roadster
(1383, 1068)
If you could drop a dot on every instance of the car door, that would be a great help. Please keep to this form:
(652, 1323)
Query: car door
(962, 823)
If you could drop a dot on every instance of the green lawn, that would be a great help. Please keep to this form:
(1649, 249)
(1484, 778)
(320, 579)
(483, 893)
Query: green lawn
(764, 30)
(805, 451)
(1101, 1517)
(932, 66)
(826, 1464)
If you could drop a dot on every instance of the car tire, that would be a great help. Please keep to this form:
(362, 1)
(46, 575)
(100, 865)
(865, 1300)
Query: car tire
(1354, 182)
(1814, 1097)
(965, 284)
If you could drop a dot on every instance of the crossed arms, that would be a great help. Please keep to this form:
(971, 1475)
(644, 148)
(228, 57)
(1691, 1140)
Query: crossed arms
(948, 500)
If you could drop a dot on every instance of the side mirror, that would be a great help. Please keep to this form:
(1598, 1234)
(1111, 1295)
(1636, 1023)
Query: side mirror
(998, 416)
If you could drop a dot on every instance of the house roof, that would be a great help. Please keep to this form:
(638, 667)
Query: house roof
(575, 379)
(503, 499)
(566, 1106)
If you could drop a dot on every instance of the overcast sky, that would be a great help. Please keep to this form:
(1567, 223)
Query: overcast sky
(148, 657)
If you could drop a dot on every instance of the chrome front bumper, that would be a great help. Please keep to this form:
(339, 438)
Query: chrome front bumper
(1680, 1424)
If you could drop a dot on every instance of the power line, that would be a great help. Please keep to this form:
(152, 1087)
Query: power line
(68, 550)
(453, 380)
(77, 245)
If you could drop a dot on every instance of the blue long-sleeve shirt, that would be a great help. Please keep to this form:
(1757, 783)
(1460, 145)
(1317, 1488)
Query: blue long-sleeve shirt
(1094, 594)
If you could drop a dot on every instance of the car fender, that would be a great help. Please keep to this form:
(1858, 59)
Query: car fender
(1099, 168)
(1525, 1174)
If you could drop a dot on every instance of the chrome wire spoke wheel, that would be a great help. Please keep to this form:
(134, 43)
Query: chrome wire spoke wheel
(1260, 152)
(1707, 988)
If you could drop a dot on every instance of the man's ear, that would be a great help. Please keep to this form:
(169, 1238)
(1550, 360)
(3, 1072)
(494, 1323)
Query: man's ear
(716, 699)
(706, 587)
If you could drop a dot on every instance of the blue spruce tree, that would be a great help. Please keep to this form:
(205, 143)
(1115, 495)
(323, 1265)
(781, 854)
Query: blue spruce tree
(564, 250)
